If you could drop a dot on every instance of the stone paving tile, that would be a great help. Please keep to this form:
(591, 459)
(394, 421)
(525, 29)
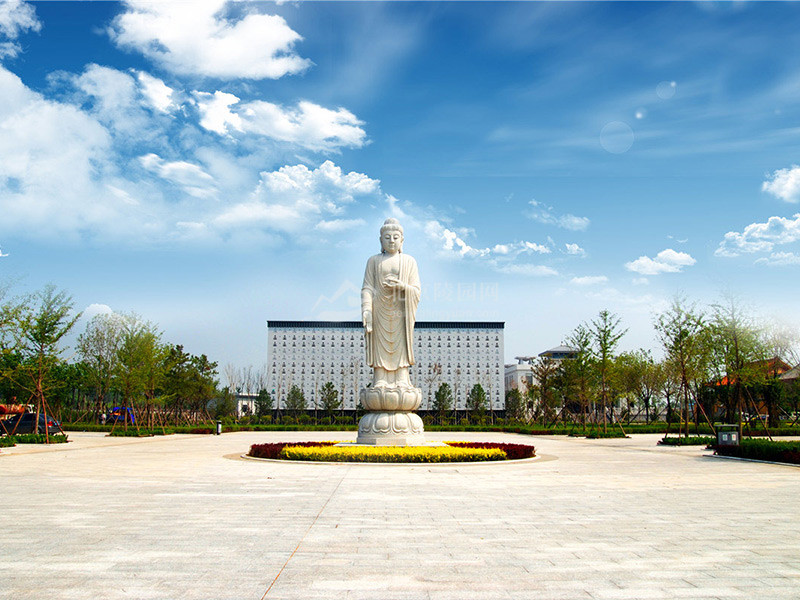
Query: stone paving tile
(177, 517)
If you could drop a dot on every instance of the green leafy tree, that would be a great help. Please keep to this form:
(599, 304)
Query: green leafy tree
(606, 333)
(295, 400)
(98, 347)
(514, 404)
(639, 379)
(264, 403)
(329, 397)
(443, 399)
(43, 322)
(579, 376)
(476, 400)
(683, 334)
(189, 382)
(543, 393)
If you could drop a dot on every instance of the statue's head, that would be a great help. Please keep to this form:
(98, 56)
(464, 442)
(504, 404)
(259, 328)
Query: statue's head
(391, 236)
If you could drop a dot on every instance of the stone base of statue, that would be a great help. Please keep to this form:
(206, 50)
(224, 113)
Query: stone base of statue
(390, 420)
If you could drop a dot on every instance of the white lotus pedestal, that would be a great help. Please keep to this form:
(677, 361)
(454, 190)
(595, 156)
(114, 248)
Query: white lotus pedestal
(390, 420)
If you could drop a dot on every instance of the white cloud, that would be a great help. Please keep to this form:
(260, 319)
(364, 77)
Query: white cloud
(544, 214)
(760, 237)
(16, 17)
(215, 113)
(453, 242)
(780, 259)
(95, 309)
(293, 198)
(337, 225)
(52, 157)
(527, 270)
(1, 253)
(784, 184)
(308, 125)
(575, 250)
(589, 280)
(157, 93)
(190, 177)
(666, 261)
(198, 38)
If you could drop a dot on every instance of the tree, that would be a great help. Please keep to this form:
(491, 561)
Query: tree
(476, 400)
(639, 378)
(43, 322)
(139, 366)
(543, 392)
(443, 399)
(579, 375)
(98, 348)
(737, 345)
(606, 334)
(264, 403)
(514, 406)
(330, 398)
(295, 400)
(681, 329)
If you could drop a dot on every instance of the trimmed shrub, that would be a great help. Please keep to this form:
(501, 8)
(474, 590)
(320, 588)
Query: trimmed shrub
(273, 450)
(513, 451)
(391, 454)
(692, 440)
(786, 452)
(32, 438)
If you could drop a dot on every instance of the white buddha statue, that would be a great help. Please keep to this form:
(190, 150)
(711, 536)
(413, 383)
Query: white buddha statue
(389, 299)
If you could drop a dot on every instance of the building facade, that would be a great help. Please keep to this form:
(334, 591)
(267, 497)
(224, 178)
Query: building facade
(310, 353)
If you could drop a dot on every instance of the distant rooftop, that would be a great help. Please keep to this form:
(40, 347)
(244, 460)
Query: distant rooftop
(418, 325)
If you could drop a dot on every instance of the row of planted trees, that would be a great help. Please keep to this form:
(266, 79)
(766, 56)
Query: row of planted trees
(719, 363)
(119, 360)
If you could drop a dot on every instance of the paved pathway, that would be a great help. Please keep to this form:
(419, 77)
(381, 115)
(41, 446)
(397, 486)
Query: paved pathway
(181, 517)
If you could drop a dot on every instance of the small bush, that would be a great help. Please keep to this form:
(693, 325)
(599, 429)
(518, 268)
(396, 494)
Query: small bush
(513, 451)
(390, 454)
(692, 440)
(786, 452)
(32, 438)
(597, 435)
(273, 450)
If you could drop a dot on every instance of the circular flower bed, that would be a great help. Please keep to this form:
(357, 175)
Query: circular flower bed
(450, 452)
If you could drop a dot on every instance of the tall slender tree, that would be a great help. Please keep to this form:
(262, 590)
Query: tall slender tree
(606, 334)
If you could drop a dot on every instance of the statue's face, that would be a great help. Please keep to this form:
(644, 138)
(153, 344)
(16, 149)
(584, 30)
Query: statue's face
(391, 241)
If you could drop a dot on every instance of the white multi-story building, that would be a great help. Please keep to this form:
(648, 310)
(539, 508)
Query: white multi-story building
(310, 353)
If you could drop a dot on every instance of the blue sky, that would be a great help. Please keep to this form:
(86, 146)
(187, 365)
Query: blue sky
(212, 165)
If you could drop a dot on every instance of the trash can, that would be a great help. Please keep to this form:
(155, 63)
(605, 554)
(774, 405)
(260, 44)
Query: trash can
(219, 428)
(727, 435)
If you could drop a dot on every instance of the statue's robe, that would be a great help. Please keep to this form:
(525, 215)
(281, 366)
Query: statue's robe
(389, 345)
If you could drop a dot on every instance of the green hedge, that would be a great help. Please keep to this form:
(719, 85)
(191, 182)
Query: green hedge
(692, 440)
(786, 452)
(30, 438)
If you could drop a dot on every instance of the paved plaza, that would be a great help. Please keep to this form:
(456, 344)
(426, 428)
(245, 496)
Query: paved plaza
(183, 517)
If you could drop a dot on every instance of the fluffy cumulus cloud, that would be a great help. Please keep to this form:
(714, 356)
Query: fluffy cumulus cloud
(760, 237)
(780, 259)
(16, 17)
(308, 125)
(53, 157)
(191, 178)
(2, 255)
(295, 199)
(156, 93)
(575, 250)
(589, 280)
(500, 257)
(784, 184)
(211, 38)
(545, 214)
(338, 225)
(666, 261)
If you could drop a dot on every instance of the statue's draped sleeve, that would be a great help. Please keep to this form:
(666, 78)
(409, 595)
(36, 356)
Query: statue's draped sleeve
(368, 289)
(410, 276)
